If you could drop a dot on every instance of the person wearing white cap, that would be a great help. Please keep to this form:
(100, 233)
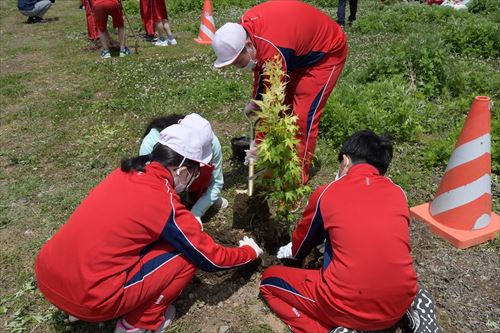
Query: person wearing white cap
(131, 246)
(313, 50)
(205, 191)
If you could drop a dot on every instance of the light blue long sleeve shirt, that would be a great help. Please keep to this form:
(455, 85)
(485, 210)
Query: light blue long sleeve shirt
(213, 192)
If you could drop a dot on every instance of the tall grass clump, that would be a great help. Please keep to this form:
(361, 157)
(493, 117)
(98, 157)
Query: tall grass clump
(484, 6)
(421, 62)
(387, 107)
(475, 36)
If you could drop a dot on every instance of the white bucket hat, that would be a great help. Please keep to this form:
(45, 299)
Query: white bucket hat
(193, 142)
(228, 43)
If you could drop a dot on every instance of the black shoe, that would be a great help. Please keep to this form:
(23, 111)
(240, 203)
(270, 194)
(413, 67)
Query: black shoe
(147, 38)
(421, 316)
(38, 19)
(30, 20)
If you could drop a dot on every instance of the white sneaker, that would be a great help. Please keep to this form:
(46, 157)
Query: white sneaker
(171, 41)
(123, 327)
(160, 42)
(72, 319)
(221, 203)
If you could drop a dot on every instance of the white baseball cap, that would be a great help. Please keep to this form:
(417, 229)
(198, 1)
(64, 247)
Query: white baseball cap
(228, 42)
(192, 142)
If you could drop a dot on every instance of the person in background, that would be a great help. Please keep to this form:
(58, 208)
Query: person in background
(206, 189)
(34, 9)
(146, 11)
(92, 32)
(103, 9)
(162, 26)
(131, 247)
(312, 48)
(353, 8)
(367, 282)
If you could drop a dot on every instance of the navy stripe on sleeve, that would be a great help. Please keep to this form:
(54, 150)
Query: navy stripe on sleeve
(315, 235)
(328, 255)
(175, 237)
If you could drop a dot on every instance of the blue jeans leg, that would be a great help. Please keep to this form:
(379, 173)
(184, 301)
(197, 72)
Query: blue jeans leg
(341, 12)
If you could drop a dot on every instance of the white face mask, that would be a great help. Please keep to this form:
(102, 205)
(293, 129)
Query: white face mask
(250, 66)
(179, 186)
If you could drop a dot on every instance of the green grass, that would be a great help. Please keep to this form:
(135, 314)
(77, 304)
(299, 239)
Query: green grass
(68, 117)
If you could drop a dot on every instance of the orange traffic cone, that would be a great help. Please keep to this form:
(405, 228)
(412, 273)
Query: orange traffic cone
(461, 209)
(207, 25)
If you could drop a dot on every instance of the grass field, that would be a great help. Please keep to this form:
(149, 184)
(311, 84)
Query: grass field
(68, 117)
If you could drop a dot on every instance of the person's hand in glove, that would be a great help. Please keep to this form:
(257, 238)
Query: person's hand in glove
(285, 252)
(251, 153)
(321, 247)
(250, 242)
(250, 109)
(199, 221)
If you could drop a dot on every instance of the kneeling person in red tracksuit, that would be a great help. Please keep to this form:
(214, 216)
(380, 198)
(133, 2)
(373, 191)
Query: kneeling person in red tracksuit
(367, 281)
(131, 247)
(103, 9)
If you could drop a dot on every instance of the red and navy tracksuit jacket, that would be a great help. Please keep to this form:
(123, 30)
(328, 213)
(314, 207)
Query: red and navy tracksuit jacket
(367, 281)
(313, 50)
(115, 250)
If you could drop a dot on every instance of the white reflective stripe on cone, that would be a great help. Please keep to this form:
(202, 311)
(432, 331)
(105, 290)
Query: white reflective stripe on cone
(207, 31)
(210, 18)
(461, 195)
(482, 222)
(470, 151)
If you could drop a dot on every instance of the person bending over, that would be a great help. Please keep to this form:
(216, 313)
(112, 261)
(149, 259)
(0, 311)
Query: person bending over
(103, 9)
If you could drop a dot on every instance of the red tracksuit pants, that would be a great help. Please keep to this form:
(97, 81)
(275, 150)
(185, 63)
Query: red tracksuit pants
(291, 295)
(92, 32)
(307, 92)
(154, 283)
(146, 9)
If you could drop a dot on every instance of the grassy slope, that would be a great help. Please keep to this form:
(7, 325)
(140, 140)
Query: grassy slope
(67, 117)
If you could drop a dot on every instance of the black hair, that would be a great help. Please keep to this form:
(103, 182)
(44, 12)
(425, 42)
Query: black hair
(161, 123)
(367, 147)
(161, 154)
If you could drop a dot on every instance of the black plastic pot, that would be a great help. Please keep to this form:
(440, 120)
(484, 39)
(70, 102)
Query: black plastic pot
(238, 146)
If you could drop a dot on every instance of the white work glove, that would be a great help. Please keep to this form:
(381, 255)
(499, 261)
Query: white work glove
(321, 247)
(285, 252)
(251, 155)
(250, 109)
(250, 242)
(199, 221)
